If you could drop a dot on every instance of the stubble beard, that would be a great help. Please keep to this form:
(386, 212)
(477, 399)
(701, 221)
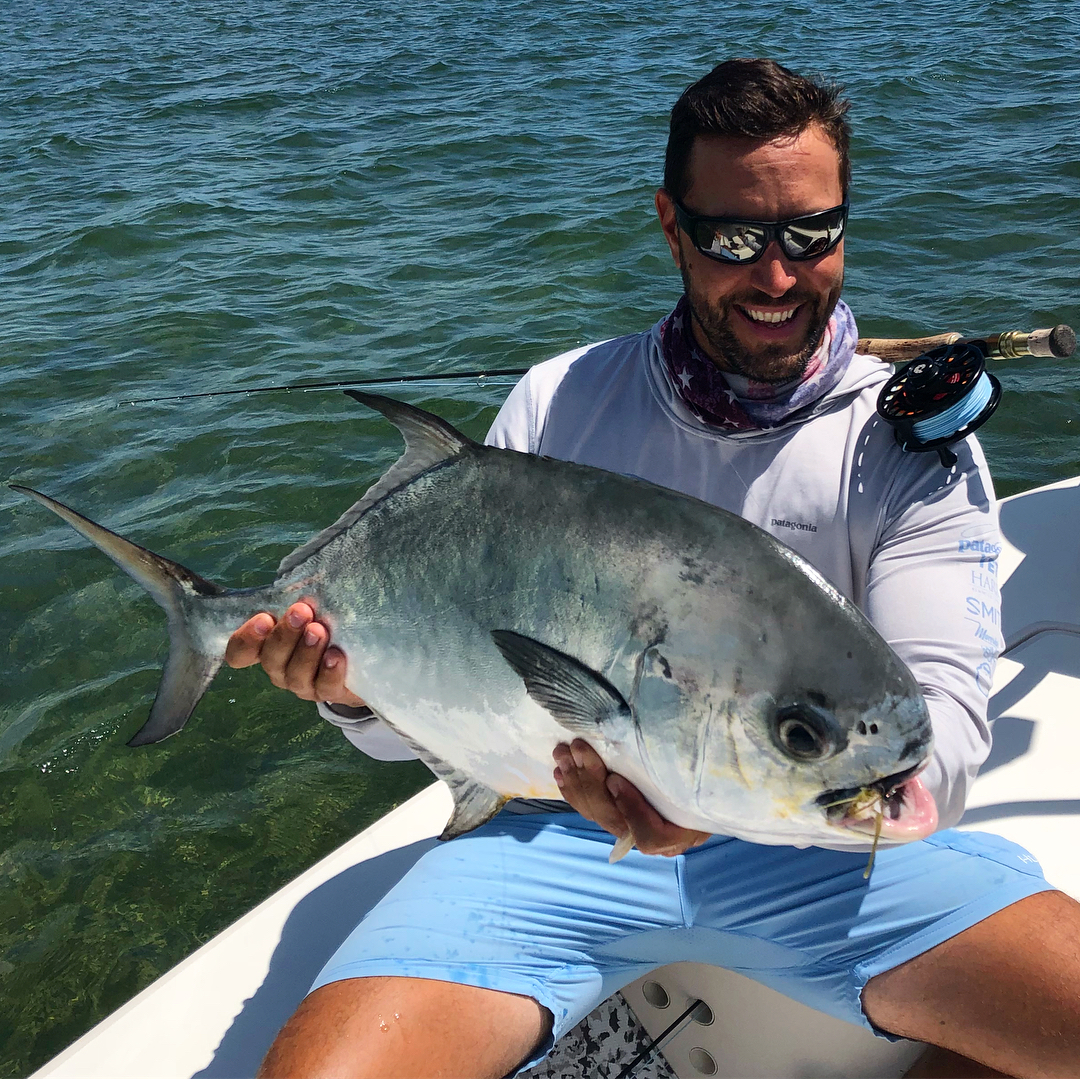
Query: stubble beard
(771, 363)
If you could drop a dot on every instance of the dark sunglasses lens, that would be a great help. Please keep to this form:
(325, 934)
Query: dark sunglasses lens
(813, 236)
(729, 241)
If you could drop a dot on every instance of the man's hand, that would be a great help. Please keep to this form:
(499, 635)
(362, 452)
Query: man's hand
(294, 653)
(616, 804)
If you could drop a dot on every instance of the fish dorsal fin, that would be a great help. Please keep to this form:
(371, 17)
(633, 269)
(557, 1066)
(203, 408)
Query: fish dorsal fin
(580, 700)
(428, 440)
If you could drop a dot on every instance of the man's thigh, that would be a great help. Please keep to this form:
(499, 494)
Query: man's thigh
(526, 905)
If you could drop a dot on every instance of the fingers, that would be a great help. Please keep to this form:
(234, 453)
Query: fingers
(294, 653)
(293, 650)
(653, 833)
(616, 804)
(581, 777)
(246, 643)
(330, 679)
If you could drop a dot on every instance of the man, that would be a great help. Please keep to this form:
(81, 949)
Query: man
(748, 395)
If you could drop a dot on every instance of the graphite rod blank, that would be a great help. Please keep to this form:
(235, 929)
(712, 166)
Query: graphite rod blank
(1059, 341)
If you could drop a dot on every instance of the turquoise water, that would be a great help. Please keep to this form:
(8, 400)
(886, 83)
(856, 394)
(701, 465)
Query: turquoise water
(202, 196)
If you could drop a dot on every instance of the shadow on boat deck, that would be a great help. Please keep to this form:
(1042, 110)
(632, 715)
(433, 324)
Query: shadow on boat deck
(1040, 602)
(313, 932)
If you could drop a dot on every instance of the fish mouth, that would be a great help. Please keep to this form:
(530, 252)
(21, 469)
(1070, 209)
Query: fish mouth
(898, 806)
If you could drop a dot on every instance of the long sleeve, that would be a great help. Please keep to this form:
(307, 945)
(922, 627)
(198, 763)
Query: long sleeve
(932, 593)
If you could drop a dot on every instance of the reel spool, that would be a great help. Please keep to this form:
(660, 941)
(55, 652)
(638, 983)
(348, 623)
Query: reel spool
(940, 398)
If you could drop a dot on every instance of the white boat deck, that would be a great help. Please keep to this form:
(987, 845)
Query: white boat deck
(215, 1014)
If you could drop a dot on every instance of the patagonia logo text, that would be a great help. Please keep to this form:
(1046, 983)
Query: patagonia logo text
(797, 525)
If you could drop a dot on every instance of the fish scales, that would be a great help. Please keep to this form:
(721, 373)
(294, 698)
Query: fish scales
(492, 604)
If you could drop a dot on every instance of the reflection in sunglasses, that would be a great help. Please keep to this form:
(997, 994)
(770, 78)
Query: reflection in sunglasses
(732, 240)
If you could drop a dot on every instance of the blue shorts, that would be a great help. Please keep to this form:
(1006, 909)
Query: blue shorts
(529, 904)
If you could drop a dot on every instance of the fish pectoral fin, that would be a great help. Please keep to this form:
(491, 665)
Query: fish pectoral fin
(474, 802)
(580, 699)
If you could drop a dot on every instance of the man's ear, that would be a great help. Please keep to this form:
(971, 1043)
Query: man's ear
(665, 210)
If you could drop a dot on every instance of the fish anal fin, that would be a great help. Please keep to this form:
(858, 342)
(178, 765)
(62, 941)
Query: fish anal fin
(429, 441)
(474, 803)
(577, 697)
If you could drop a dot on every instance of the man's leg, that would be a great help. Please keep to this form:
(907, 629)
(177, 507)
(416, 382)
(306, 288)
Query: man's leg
(486, 950)
(1005, 992)
(370, 1028)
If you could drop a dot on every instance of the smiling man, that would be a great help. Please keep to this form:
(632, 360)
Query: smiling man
(748, 395)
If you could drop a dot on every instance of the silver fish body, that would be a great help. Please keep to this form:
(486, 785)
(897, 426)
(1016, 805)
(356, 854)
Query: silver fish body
(492, 604)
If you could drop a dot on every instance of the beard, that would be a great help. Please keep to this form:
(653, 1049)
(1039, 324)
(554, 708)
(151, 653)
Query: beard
(770, 363)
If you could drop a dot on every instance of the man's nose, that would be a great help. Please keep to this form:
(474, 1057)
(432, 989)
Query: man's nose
(772, 273)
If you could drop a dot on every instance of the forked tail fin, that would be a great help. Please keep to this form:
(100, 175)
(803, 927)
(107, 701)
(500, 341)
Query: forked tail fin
(194, 655)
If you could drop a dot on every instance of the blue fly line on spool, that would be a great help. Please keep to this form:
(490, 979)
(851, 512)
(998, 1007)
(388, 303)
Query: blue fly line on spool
(956, 417)
(940, 398)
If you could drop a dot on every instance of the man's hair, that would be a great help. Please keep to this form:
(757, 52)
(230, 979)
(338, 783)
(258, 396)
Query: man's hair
(755, 99)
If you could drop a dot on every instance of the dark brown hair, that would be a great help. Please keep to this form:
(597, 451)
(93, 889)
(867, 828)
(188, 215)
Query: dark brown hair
(755, 99)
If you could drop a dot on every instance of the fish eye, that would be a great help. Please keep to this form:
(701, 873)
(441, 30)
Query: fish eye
(805, 733)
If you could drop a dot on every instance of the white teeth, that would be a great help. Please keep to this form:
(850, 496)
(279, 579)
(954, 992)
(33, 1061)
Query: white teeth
(770, 316)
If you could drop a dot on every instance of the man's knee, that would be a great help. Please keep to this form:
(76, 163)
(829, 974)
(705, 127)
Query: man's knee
(374, 1027)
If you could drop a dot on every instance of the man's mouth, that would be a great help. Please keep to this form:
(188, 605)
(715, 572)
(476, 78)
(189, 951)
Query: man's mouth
(906, 808)
(774, 317)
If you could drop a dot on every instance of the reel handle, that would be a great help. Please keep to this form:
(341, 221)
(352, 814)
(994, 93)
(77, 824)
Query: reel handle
(1060, 342)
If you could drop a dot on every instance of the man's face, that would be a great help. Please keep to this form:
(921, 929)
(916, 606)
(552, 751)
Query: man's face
(731, 304)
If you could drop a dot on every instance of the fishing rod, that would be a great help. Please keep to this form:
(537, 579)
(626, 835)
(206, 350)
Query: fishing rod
(1059, 342)
(945, 393)
(441, 376)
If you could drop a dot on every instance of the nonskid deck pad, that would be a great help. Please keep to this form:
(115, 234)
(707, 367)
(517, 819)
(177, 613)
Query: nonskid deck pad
(600, 1046)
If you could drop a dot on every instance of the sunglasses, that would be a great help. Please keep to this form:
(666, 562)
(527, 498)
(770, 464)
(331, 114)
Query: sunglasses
(732, 239)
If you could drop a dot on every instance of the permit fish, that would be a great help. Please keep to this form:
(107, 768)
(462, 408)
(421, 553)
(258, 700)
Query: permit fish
(492, 604)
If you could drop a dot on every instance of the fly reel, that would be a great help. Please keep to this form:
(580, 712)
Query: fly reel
(940, 398)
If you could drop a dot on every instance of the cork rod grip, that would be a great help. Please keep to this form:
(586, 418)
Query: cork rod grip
(1059, 342)
(901, 349)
